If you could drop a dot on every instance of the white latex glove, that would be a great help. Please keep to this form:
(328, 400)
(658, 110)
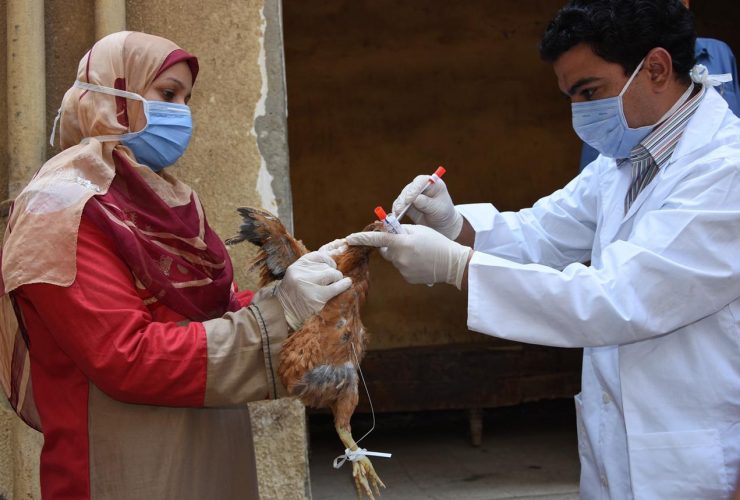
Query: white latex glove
(434, 208)
(308, 284)
(334, 248)
(422, 255)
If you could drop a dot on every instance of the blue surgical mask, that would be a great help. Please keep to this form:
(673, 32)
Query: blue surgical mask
(601, 124)
(164, 138)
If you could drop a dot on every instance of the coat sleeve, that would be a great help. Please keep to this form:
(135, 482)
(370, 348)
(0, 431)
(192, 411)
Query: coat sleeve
(556, 231)
(102, 324)
(679, 265)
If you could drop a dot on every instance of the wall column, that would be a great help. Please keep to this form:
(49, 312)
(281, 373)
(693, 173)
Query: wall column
(110, 17)
(27, 134)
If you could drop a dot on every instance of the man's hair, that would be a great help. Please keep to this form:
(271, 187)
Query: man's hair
(624, 31)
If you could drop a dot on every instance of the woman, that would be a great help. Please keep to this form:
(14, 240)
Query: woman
(124, 296)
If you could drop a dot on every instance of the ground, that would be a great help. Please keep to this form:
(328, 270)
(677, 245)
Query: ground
(528, 452)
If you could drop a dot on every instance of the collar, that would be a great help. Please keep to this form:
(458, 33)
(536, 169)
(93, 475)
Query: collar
(661, 142)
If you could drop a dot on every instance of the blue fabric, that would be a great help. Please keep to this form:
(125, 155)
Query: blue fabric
(718, 58)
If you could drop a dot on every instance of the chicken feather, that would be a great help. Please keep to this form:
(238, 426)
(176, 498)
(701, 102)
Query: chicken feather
(319, 361)
(278, 249)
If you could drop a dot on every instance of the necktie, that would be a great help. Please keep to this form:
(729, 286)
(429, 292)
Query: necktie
(644, 169)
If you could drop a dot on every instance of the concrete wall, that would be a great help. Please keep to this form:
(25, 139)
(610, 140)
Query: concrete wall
(381, 91)
(238, 156)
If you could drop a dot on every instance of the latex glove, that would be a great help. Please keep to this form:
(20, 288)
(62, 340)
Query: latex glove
(334, 248)
(308, 284)
(434, 208)
(422, 255)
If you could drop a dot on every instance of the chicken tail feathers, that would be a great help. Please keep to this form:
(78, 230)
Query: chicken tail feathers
(278, 249)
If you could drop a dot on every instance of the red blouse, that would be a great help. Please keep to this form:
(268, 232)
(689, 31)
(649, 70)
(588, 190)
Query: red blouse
(103, 329)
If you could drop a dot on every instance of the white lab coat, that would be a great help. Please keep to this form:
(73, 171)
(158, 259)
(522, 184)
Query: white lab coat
(658, 310)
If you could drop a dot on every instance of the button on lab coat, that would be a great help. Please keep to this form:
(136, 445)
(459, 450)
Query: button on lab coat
(657, 311)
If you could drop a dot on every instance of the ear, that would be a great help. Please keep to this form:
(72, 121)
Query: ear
(659, 66)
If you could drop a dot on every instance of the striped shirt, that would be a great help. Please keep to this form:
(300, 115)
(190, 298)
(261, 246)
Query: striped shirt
(654, 151)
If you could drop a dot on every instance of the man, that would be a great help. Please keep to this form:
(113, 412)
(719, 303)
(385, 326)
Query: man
(657, 215)
(718, 58)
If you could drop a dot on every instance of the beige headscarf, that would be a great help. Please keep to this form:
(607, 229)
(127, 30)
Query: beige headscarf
(41, 237)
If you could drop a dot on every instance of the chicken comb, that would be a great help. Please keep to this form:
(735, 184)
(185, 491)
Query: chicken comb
(278, 249)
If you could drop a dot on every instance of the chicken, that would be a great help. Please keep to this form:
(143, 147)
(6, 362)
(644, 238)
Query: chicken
(319, 362)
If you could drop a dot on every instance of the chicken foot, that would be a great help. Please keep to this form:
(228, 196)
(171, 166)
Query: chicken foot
(362, 469)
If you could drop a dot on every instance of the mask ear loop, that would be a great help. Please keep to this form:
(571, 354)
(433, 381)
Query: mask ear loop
(117, 93)
(634, 74)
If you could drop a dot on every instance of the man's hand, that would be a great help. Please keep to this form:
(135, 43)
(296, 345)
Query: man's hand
(334, 248)
(309, 283)
(433, 209)
(422, 255)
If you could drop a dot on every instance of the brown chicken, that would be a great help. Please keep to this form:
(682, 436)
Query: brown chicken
(319, 362)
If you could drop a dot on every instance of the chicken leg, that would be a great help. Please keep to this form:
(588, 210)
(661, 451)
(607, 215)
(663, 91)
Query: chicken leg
(363, 471)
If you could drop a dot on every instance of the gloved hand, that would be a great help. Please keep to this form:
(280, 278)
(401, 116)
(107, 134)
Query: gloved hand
(422, 255)
(308, 284)
(334, 248)
(434, 208)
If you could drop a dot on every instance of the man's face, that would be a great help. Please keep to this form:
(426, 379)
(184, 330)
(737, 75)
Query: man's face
(583, 76)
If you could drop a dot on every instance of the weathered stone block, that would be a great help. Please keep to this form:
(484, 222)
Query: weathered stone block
(279, 438)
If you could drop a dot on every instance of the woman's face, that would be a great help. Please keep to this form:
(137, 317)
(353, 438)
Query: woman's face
(172, 85)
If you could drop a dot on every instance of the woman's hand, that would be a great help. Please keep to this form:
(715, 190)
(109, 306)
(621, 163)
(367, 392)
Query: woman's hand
(309, 283)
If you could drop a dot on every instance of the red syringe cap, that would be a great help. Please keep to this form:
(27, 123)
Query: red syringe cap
(380, 213)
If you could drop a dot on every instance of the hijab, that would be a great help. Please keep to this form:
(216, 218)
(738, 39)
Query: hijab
(157, 221)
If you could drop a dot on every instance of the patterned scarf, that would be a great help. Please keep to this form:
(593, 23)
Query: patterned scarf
(172, 251)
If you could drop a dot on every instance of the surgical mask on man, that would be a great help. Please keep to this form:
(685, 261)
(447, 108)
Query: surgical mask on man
(602, 125)
(166, 135)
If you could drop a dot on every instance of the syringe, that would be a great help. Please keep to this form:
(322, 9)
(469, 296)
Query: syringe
(437, 175)
(389, 220)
